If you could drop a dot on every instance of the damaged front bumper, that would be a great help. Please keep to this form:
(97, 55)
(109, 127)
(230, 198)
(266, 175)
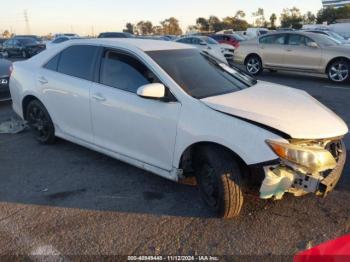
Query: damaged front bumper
(286, 177)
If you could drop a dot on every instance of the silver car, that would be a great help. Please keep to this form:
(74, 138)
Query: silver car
(296, 51)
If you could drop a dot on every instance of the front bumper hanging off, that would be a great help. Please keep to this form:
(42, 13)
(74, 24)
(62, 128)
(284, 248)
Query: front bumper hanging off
(281, 179)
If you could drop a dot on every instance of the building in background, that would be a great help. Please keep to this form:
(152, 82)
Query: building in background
(335, 3)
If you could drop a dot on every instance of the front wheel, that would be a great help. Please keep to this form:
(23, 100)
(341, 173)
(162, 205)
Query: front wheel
(339, 71)
(219, 180)
(40, 122)
(254, 65)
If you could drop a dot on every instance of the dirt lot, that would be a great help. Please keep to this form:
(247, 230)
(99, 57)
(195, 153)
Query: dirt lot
(65, 199)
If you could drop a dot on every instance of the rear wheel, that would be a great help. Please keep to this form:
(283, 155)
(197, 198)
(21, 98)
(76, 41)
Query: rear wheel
(339, 71)
(40, 122)
(254, 65)
(219, 180)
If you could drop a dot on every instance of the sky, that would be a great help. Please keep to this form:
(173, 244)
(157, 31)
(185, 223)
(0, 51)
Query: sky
(94, 16)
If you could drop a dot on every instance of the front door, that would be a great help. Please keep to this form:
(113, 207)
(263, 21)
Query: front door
(271, 48)
(298, 55)
(124, 123)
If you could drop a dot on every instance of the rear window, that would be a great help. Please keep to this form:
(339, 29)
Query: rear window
(78, 61)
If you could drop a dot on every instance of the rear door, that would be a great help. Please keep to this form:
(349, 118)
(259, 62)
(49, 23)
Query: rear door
(65, 83)
(272, 49)
(298, 55)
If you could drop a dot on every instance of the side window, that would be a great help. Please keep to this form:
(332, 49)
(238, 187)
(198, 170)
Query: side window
(295, 39)
(273, 40)
(78, 61)
(53, 63)
(124, 72)
(226, 38)
(196, 41)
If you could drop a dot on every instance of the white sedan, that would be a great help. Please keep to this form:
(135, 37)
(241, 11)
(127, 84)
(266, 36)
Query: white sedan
(177, 112)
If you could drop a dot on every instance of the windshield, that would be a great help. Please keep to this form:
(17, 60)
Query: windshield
(238, 37)
(26, 41)
(200, 75)
(209, 40)
(336, 36)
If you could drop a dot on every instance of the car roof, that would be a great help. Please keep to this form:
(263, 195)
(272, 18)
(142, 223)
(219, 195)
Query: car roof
(142, 44)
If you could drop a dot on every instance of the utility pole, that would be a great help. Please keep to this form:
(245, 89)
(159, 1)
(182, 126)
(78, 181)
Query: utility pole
(26, 19)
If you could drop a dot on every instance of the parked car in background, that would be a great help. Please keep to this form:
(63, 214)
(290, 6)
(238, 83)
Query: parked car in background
(59, 40)
(5, 71)
(115, 35)
(38, 39)
(2, 41)
(155, 37)
(296, 51)
(331, 34)
(253, 32)
(175, 111)
(22, 47)
(206, 44)
(230, 39)
(71, 35)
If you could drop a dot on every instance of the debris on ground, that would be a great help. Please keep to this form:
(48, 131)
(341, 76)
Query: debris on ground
(12, 126)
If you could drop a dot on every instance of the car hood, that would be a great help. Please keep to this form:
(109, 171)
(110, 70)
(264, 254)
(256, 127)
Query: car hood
(291, 111)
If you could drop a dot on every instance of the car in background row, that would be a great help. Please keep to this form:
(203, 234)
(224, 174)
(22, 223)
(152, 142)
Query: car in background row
(5, 72)
(115, 35)
(209, 45)
(60, 39)
(230, 39)
(296, 51)
(22, 47)
(176, 111)
(331, 34)
(70, 35)
(36, 38)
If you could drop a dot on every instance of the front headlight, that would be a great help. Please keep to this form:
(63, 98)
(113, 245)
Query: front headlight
(314, 159)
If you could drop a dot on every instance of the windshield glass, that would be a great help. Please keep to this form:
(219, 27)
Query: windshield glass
(200, 75)
(336, 36)
(209, 40)
(238, 37)
(26, 41)
(326, 40)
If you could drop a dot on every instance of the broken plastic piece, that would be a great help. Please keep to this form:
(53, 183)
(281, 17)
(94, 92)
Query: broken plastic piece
(13, 126)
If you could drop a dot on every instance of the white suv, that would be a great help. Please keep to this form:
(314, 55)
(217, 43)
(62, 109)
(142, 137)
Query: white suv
(168, 108)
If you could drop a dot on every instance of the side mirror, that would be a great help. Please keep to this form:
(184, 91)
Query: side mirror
(202, 43)
(155, 91)
(312, 44)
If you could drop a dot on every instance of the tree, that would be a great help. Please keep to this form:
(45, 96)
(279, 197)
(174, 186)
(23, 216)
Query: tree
(215, 24)
(202, 24)
(144, 27)
(309, 18)
(273, 19)
(129, 28)
(240, 14)
(157, 30)
(6, 34)
(330, 14)
(231, 22)
(291, 18)
(260, 18)
(171, 26)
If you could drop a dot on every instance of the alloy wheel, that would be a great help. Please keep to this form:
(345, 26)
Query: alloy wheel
(253, 65)
(339, 72)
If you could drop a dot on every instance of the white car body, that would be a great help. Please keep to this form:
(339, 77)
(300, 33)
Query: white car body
(154, 135)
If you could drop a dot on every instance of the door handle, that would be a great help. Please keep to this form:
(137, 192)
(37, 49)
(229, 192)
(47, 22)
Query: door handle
(98, 97)
(42, 80)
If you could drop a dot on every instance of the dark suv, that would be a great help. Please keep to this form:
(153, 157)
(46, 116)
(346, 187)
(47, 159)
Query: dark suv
(22, 47)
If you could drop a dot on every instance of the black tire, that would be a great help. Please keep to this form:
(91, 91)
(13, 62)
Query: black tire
(40, 122)
(339, 71)
(219, 179)
(254, 65)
